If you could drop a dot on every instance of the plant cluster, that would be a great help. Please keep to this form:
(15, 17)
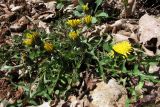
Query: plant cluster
(51, 64)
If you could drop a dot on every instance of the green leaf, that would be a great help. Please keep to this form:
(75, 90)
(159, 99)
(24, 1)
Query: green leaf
(107, 47)
(94, 20)
(98, 3)
(60, 6)
(149, 78)
(140, 85)
(104, 61)
(127, 103)
(138, 88)
(6, 68)
(80, 2)
(57, 92)
(9, 68)
(77, 13)
(31, 101)
(102, 14)
(124, 70)
(136, 70)
(153, 63)
(79, 8)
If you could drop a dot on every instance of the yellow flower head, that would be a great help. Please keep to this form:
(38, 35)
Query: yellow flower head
(31, 38)
(123, 48)
(28, 42)
(73, 35)
(87, 19)
(85, 7)
(48, 47)
(34, 36)
(74, 22)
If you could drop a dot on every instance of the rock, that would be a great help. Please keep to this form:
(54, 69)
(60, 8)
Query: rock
(120, 37)
(153, 68)
(109, 95)
(149, 28)
(79, 103)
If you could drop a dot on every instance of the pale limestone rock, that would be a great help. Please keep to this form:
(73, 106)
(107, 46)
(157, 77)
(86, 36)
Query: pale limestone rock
(109, 95)
(149, 28)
